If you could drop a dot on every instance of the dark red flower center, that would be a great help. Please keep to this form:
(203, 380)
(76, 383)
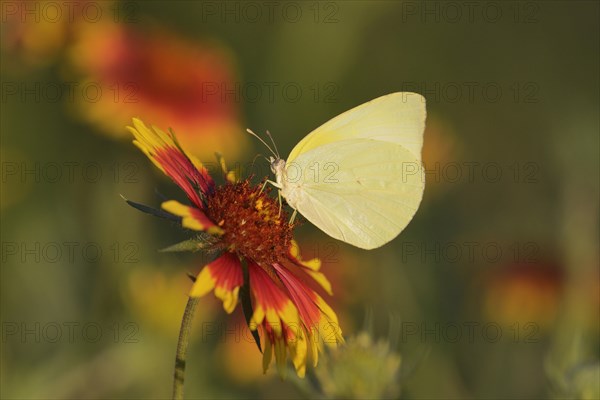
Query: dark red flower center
(254, 225)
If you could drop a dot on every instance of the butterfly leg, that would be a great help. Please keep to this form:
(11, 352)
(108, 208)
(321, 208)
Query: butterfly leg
(280, 202)
(278, 186)
(275, 184)
(293, 216)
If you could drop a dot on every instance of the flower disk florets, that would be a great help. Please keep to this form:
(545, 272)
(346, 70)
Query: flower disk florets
(253, 222)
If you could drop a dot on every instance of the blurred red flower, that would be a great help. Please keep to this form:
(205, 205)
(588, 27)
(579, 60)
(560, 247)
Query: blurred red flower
(524, 293)
(155, 75)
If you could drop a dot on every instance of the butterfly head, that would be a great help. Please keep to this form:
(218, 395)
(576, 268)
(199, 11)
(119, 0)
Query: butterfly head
(277, 164)
(275, 161)
(277, 167)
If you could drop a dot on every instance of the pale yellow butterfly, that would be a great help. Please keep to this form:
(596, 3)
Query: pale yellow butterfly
(359, 176)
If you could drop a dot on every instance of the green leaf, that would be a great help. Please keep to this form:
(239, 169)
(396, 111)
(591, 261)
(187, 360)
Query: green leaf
(191, 276)
(152, 211)
(187, 245)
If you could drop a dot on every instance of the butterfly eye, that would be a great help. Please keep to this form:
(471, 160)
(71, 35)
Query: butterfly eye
(275, 162)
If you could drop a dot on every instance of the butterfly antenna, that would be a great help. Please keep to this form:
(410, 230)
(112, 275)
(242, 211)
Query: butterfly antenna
(254, 160)
(256, 156)
(274, 145)
(262, 141)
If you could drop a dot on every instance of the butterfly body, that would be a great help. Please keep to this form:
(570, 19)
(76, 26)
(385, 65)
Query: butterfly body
(291, 191)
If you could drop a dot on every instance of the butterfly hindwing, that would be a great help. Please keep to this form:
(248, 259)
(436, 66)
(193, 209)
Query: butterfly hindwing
(372, 194)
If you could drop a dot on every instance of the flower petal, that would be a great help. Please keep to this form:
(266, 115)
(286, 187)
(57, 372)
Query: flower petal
(231, 176)
(224, 275)
(267, 355)
(292, 340)
(319, 320)
(329, 325)
(164, 151)
(310, 267)
(312, 264)
(302, 296)
(280, 355)
(272, 304)
(297, 347)
(320, 278)
(192, 218)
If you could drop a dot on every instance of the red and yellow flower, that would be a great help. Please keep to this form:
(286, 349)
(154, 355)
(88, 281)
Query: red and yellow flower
(258, 261)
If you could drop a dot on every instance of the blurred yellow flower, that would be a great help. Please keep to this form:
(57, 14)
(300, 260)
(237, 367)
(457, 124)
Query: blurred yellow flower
(152, 295)
(35, 32)
(237, 351)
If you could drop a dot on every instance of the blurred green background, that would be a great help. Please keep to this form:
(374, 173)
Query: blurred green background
(491, 292)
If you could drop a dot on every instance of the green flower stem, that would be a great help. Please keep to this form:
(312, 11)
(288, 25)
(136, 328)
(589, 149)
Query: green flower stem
(182, 344)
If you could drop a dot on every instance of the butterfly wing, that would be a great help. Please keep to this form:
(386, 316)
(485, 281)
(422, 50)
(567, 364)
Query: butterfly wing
(361, 191)
(394, 118)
